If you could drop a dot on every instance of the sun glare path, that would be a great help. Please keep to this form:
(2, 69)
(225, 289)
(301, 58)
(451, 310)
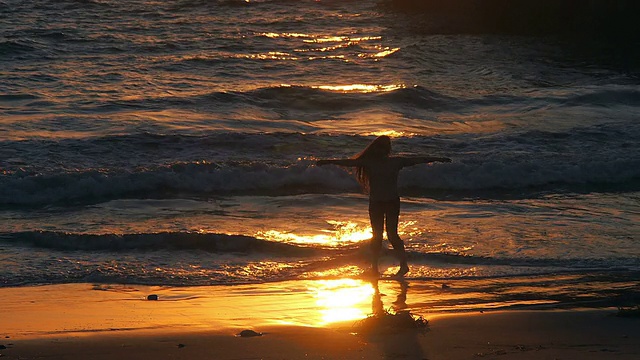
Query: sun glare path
(334, 272)
(343, 300)
(380, 54)
(391, 133)
(342, 38)
(314, 38)
(344, 232)
(363, 88)
(285, 35)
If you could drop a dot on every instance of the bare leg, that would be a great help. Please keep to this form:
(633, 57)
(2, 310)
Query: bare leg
(398, 245)
(376, 216)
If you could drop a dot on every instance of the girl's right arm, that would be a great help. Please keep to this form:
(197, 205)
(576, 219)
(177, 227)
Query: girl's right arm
(410, 161)
(339, 162)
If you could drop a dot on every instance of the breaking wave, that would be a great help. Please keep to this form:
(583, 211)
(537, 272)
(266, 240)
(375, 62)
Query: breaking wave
(169, 241)
(284, 164)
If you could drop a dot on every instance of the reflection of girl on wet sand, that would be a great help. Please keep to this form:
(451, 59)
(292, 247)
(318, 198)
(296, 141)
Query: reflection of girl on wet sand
(377, 172)
(400, 304)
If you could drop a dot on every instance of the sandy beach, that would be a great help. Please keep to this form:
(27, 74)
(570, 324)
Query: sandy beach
(297, 320)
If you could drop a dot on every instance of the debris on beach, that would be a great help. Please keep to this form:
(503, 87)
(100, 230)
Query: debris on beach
(152, 297)
(181, 346)
(387, 321)
(249, 333)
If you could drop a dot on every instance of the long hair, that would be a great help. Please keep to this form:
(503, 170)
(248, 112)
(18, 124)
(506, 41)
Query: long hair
(378, 149)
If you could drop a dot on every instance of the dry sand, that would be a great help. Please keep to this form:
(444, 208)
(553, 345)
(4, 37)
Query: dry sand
(298, 319)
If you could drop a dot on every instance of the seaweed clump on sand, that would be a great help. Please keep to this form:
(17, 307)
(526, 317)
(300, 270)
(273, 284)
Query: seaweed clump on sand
(633, 311)
(391, 322)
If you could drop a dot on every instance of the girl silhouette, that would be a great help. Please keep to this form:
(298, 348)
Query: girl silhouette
(377, 172)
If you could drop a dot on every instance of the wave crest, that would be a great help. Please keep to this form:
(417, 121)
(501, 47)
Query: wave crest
(169, 241)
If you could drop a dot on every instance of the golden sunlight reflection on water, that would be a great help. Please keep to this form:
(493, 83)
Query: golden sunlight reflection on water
(321, 43)
(345, 232)
(363, 88)
(316, 38)
(390, 133)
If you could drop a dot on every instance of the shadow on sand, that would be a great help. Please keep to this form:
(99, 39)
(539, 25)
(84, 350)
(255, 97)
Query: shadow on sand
(395, 330)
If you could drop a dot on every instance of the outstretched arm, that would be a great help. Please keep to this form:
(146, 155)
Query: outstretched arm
(340, 162)
(410, 161)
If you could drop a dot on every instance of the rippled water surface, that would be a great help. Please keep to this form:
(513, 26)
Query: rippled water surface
(173, 143)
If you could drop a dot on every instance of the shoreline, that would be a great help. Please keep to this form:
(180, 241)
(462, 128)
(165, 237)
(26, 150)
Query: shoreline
(298, 319)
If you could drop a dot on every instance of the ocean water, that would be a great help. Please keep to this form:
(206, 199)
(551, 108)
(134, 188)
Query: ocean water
(173, 143)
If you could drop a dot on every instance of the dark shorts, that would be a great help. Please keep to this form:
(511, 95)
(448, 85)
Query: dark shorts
(384, 213)
(386, 207)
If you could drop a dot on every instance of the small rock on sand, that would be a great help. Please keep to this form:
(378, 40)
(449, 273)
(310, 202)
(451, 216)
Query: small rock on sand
(152, 297)
(249, 333)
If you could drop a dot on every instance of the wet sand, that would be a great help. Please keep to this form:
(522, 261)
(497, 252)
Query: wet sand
(297, 320)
